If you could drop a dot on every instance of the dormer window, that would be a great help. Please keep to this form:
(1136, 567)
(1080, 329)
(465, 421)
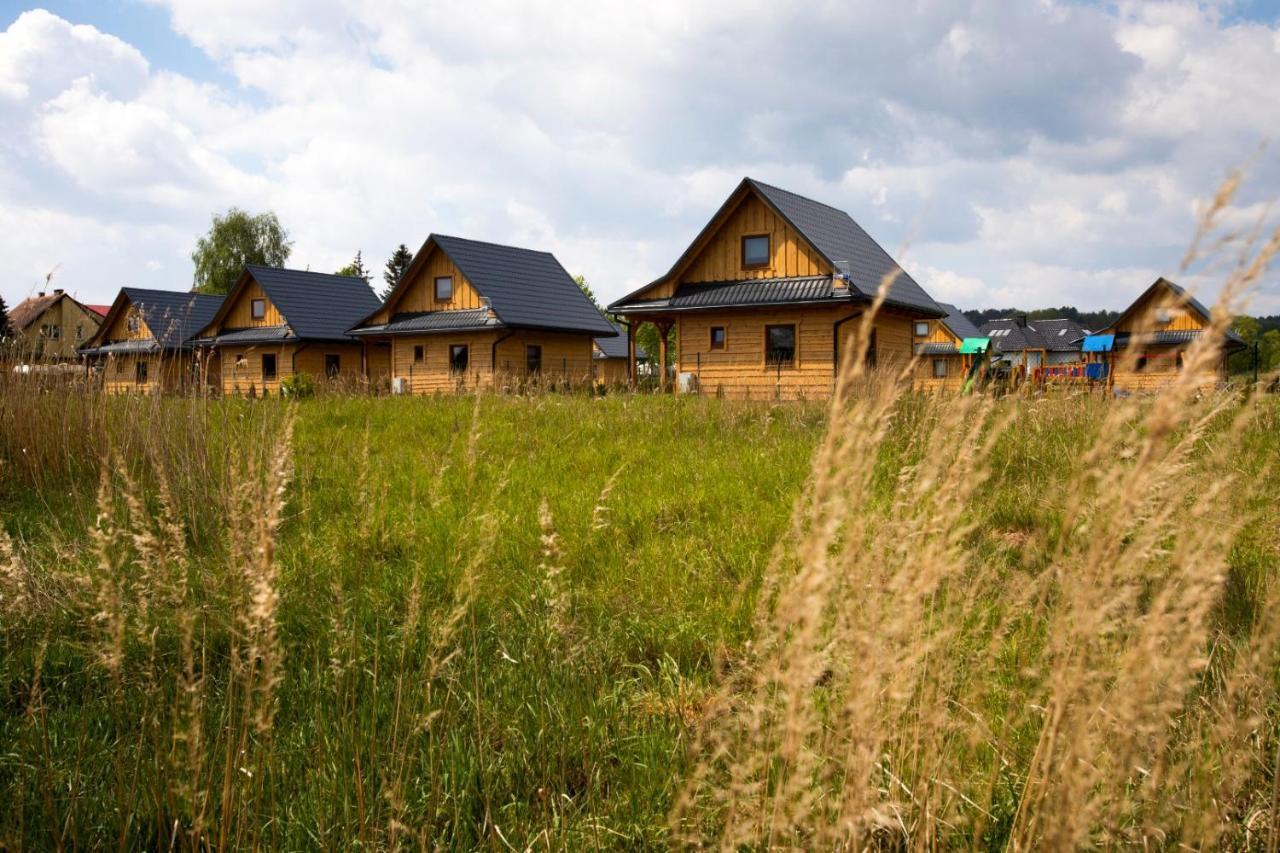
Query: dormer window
(755, 250)
(258, 308)
(444, 288)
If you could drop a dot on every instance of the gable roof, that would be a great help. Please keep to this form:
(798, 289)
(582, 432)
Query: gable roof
(316, 306)
(28, 310)
(100, 310)
(957, 323)
(1181, 296)
(173, 316)
(525, 288)
(1011, 334)
(841, 242)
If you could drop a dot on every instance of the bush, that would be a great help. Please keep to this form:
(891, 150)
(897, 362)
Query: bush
(298, 386)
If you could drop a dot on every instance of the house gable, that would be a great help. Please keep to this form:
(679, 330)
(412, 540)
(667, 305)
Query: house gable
(416, 292)
(127, 324)
(239, 313)
(1163, 307)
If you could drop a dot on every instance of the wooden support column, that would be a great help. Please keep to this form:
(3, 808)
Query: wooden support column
(631, 353)
(664, 329)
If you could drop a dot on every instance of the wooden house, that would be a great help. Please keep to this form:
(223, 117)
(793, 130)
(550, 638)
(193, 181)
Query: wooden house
(1037, 350)
(769, 295)
(612, 359)
(144, 344)
(1146, 347)
(468, 315)
(277, 323)
(50, 327)
(940, 344)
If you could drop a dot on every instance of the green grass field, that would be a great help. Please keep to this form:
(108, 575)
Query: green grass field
(498, 623)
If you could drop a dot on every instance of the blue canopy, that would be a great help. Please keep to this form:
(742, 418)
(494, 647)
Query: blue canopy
(1099, 343)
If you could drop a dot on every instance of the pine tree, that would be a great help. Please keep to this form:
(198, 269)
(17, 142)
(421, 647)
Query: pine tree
(355, 269)
(4, 321)
(396, 266)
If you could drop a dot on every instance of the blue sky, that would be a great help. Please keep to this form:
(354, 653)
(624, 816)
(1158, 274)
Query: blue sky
(1034, 154)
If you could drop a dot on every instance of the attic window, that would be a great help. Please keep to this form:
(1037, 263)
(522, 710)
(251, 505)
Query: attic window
(258, 309)
(922, 329)
(444, 288)
(755, 250)
(132, 322)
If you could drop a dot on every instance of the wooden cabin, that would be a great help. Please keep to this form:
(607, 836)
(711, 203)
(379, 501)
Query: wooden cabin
(1145, 348)
(144, 344)
(769, 296)
(277, 323)
(612, 359)
(469, 315)
(943, 365)
(1037, 350)
(51, 327)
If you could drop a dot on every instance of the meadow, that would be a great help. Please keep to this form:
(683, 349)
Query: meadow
(637, 621)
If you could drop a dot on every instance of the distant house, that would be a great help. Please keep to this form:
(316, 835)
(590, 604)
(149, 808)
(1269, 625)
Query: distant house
(144, 343)
(1037, 349)
(277, 323)
(52, 326)
(468, 314)
(613, 361)
(945, 361)
(1145, 348)
(768, 297)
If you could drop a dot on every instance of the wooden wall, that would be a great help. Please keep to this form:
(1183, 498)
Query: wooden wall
(241, 366)
(739, 369)
(67, 315)
(119, 330)
(611, 371)
(169, 372)
(240, 314)
(957, 365)
(565, 357)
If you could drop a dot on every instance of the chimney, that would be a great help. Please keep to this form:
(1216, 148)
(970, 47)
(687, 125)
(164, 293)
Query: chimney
(57, 291)
(1022, 320)
(40, 295)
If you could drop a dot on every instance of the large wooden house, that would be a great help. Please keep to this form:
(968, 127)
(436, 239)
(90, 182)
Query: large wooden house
(947, 348)
(468, 314)
(277, 323)
(1145, 348)
(144, 344)
(769, 295)
(50, 327)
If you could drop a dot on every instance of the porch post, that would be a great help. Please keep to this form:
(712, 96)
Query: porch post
(664, 327)
(631, 354)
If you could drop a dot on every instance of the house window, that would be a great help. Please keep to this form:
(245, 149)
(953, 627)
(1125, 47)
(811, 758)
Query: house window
(258, 308)
(780, 346)
(119, 366)
(533, 358)
(332, 365)
(79, 332)
(419, 353)
(755, 250)
(871, 350)
(268, 367)
(55, 332)
(133, 323)
(141, 372)
(922, 330)
(241, 361)
(444, 288)
(1141, 364)
(459, 354)
(939, 368)
(717, 337)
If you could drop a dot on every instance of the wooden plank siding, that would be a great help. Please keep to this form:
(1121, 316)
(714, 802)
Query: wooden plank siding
(419, 294)
(240, 314)
(739, 370)
(565, 358)
(242, 365)
(1161, 367)
(167, 372)
(120, 329)
(721, 258)
(611, 372)
(924, 378)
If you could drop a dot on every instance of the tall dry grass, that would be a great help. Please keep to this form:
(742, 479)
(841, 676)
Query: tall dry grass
(909, 688)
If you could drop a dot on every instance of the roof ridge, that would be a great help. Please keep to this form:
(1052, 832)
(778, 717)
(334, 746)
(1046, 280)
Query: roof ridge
(793, 194)
(491, 243)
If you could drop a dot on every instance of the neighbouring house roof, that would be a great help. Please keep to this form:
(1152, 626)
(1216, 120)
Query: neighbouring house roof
(936, 348)
(1234, 341)
(524, 288)
(25, 312)
(845, 246)
(100, 310)
(617, 347)
(957, 323)
(173, 316)
(1015, 335)
(315, 306)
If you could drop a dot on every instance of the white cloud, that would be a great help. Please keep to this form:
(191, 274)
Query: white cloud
(1042, 153)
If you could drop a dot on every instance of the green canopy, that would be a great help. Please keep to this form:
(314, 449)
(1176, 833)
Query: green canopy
(971, 345)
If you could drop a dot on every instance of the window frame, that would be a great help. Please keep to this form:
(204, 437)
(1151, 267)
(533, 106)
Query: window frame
(435, 288)
(275, 368)
(336, 360)
(140, 372)
(768, 251)
(419, 353)
(454, 351)
(724, 338)
(921, 324)
(257, 308)
(55, 332)
(769, 360)
(940, 363)
(530, 366)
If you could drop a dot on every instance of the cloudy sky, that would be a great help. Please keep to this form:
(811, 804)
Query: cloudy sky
(1031, 152)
